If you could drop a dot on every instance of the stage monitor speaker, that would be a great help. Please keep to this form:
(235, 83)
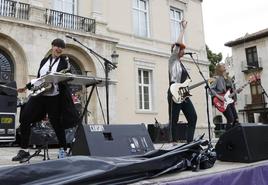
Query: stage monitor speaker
(112, 140)
(243, 143)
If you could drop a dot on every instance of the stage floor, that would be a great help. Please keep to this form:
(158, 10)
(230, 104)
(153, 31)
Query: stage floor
(220, 168)
(6, 154)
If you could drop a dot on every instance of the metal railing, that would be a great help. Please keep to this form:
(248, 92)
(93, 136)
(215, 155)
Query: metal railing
(23, 11)
(69, 21)
(14, 9)
(9, 8)
(245, 66)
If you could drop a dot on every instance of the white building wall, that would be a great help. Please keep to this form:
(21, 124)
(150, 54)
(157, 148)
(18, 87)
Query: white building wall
(239, 60)
(115, 31)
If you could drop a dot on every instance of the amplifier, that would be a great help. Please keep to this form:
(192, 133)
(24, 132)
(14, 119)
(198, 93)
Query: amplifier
(7, 127)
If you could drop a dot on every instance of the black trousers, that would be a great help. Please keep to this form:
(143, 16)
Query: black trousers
(35, 110)
(189, 112)
(230, 114)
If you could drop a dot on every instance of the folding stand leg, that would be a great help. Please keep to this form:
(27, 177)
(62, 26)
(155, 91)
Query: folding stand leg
(46, 155)
(81, 118)
(36, 153)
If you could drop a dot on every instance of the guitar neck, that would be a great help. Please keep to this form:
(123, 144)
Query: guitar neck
(196, 85)
(242, 87)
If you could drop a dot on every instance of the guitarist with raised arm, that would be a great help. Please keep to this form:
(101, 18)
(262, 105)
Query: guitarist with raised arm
(179, 74)
(220, 86)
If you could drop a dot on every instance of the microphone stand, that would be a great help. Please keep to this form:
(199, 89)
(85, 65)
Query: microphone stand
(108, 66)
(207, 87)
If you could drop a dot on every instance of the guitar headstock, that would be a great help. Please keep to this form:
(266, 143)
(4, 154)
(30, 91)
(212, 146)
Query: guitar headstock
(254, 78)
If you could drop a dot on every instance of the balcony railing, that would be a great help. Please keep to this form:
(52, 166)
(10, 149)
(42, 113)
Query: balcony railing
(14, 9)
(69, 21)
(253, 66)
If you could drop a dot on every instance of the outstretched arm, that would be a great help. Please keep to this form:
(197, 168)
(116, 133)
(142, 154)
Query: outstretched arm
(175, 47)
(183, 26)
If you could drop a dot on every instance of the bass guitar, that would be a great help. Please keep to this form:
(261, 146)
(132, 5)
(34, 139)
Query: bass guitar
(228, 96)
(180, 91)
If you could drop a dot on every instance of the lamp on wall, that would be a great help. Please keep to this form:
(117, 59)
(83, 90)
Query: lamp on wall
(114, 56)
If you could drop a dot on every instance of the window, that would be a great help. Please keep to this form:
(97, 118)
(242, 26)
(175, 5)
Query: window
(175, 20)
(68, 6)
(140, 18)
(252, 56)
(6, 67)
(145, 89)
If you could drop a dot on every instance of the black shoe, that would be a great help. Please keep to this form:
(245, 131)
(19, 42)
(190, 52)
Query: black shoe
(21, 155)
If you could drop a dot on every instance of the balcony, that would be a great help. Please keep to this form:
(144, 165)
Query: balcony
(69, 21)
(50, 17)
(14, 9)
(257, 103)
(248, 68)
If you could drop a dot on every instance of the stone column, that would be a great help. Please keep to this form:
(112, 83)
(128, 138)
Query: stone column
(37, 14)
(97, 9)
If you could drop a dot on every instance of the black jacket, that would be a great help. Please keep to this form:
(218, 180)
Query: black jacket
(69, 114)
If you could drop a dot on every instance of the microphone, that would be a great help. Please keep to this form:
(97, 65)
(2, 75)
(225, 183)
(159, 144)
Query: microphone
(70, 37)
(189, 53)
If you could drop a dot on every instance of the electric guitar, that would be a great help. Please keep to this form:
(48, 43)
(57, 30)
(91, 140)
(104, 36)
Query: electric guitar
(180, 91)
(228, 96)
(40, 86)
(38, 89)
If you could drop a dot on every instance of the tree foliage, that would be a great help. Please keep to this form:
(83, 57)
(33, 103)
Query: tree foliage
(214, 59)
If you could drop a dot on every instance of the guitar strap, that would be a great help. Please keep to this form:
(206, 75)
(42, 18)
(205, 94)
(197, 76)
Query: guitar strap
(185, 71)
(52, 64)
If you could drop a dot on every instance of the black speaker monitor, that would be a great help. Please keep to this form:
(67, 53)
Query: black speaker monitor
(244, 143)
(112, 140)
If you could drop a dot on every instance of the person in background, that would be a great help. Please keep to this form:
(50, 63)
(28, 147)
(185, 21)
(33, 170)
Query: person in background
(219, 86)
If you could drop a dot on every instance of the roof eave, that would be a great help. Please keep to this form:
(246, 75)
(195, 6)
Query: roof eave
(246, 39)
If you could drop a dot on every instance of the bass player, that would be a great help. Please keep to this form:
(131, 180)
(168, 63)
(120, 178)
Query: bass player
(220, 86)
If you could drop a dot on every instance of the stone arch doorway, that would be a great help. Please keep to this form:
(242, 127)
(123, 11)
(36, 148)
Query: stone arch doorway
(81, 63)
(6, 67)
(13, 61)
(75, 69)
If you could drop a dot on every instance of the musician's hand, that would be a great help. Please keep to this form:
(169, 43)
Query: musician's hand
(21, 90)
(221, 98)
(184, 24)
